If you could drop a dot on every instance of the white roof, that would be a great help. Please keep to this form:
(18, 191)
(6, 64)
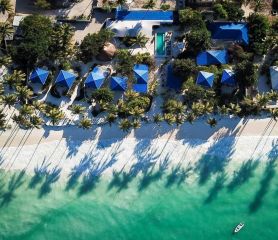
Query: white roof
(274, 77)
(131, 28)
(17, 20)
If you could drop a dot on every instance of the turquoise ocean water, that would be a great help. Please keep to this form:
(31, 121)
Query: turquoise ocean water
(175, 204)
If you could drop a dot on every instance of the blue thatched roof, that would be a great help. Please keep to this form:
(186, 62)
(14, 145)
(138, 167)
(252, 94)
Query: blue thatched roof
(39, 75)
(228, 77)
(230, 31)
(139, 15)
(118, 83)
(65, 79)
(212, 57)
(205, 79)
(141, 74)
(95, 78)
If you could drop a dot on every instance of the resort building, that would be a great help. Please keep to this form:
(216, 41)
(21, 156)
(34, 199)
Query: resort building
(146, 22)
(212, 57)
(205, 79)
(228, 78)
(39, 75)
(274, 77)
(141, 75)
(118, 83)
(65, 79)
(95, 79)
(233, 32)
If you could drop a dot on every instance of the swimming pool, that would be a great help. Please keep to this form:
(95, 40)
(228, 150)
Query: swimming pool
(160, 49)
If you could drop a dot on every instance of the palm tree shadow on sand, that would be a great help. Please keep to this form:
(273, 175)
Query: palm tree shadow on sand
(152, 175)
(243, 175)
(178, 175)
(210, 163)
(51, 177)
(15, 182)
(77, 171)
(92, 177)
(217, 187)
(39, 174)
(146, 157)
(268, 175)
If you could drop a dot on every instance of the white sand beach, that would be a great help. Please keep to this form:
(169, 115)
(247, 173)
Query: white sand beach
(102, 150)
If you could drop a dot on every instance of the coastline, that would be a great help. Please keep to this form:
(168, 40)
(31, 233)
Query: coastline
(109, 149)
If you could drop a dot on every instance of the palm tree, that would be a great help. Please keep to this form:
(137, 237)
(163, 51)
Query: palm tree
(258, 5)
(40, 106)
(170, 118)
(198, 108)
(140, 40)
(208, 108)
(212, 122)
(274, 113)
(125, 125)
(190, 117)
(136, 112)
(24, 93)
(2, 120)
(85, 123)
(26, 110)
(77, 109)
(150, 4)
(16, 78)
(223, 110)
(157, 119)
(130, 95)
(21, 121)
(262, 99)
(121, 2)
(173, 106)
(180, 119)
(6, 61)
(36, 121)
(111, 118)
(6, 31)
(55, 115)
(9, 100)
(6, 6)
(235, 109)
(136, 123)
(273, 95)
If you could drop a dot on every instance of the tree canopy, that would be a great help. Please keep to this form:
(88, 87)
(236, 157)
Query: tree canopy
(191, 17)
(184, 67)
(258, 30)
(93, 43)
(246, 73)
(198, 40)
(36, 32)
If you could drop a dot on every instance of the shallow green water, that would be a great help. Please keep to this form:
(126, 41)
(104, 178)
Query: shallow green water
(157, 206)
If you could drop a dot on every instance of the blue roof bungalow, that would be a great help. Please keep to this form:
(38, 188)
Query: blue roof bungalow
(143, 15)
(212, 57)
(65, 79)
(205, 79)
(118, 83)
(141, 74)
(39, 75)
(95, 79)
(228, 78)
(236, 32)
